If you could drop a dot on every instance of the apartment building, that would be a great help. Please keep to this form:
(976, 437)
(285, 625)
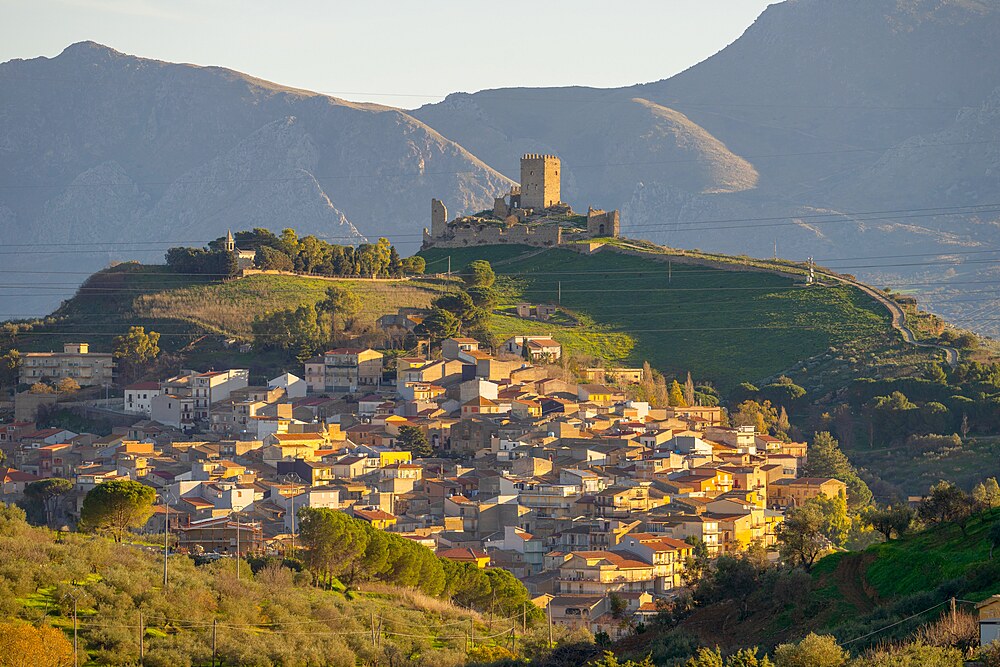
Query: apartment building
(76, 361)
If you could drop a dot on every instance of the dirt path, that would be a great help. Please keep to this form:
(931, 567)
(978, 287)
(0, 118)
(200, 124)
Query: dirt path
(850, 578)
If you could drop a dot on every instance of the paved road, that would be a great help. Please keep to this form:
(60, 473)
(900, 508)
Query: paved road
(898, 317)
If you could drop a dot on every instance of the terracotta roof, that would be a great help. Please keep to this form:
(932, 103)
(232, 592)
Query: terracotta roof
(373, 515)
(615, 559)
(463, 553)
(143, 386)
(12, 475)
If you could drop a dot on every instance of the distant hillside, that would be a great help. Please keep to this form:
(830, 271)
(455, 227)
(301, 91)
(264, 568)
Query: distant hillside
(857, 131)
(104, 147)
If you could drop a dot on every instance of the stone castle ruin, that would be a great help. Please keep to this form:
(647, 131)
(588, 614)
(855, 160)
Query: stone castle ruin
(530, 214)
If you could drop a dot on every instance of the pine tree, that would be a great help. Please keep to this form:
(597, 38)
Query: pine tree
(825, 459)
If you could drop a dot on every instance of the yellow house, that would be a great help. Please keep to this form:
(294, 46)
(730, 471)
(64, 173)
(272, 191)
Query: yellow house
(390, 456)
(595, 393)
(526, 408)
(480, 559)
(377, 518)
(794, 492)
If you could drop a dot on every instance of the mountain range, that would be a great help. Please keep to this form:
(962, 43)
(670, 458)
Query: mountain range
(863, 133)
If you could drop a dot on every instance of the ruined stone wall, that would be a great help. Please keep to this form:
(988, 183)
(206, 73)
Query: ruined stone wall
(539, 181)
(459, 236)
(603, 223)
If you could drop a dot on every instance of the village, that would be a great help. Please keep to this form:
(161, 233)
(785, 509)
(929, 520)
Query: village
(597, 503)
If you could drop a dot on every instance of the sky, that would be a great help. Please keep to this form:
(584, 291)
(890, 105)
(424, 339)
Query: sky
(400, 53)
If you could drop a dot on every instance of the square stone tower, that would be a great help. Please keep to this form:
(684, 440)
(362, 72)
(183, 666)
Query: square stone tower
(539, 181)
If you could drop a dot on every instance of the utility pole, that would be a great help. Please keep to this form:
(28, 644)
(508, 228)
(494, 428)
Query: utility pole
(524, 618)
(449, 265)
(493, 601)
(775, 248)
(548, 611)
(293, 526)
(76, 645)
(670, 271)
(215, 636)
(373, 630)
(954, 618)
(472, 633)
(237, 546)
(166, 533)
(142, 649)
(559, 283)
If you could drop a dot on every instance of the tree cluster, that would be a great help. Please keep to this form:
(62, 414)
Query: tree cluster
(218, 264)
(466, 310)
(135, 351)
(342, 547)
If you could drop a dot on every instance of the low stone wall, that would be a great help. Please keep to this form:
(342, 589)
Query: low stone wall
(473, 235)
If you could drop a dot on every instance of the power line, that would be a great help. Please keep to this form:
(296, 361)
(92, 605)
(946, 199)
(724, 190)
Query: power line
(421, 174)
(673, 227)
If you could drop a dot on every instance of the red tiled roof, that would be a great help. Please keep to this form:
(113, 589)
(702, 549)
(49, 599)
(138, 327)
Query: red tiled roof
(374, 515)
(143, 386)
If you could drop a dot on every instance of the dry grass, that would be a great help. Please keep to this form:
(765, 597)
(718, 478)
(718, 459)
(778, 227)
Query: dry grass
(420, 602)
(231, 307)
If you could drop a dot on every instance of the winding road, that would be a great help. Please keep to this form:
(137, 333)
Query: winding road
(898, 317)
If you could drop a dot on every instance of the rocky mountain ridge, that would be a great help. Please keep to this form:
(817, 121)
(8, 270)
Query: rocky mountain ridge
(820, 114)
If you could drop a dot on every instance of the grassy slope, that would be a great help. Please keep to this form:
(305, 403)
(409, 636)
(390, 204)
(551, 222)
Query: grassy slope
(727, 326)
(917, 563)
(854, 594)
(182, 307)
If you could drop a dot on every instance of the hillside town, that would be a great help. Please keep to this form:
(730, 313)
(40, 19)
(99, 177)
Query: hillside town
(497, 459)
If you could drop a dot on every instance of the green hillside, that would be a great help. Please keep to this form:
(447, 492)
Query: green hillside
(723, 324)
(194, 315)
(861, 596)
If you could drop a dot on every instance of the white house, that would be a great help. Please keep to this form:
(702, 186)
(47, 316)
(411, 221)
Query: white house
(139, 397)
(294, 386)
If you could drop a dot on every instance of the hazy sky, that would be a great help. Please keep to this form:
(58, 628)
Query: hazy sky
(403, 53)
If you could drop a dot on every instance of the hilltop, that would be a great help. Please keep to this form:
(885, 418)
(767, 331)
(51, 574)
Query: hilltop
(723, 320)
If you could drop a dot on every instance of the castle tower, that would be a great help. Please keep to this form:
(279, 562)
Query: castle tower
(230, 241)
(439, 218)
(539, 181)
